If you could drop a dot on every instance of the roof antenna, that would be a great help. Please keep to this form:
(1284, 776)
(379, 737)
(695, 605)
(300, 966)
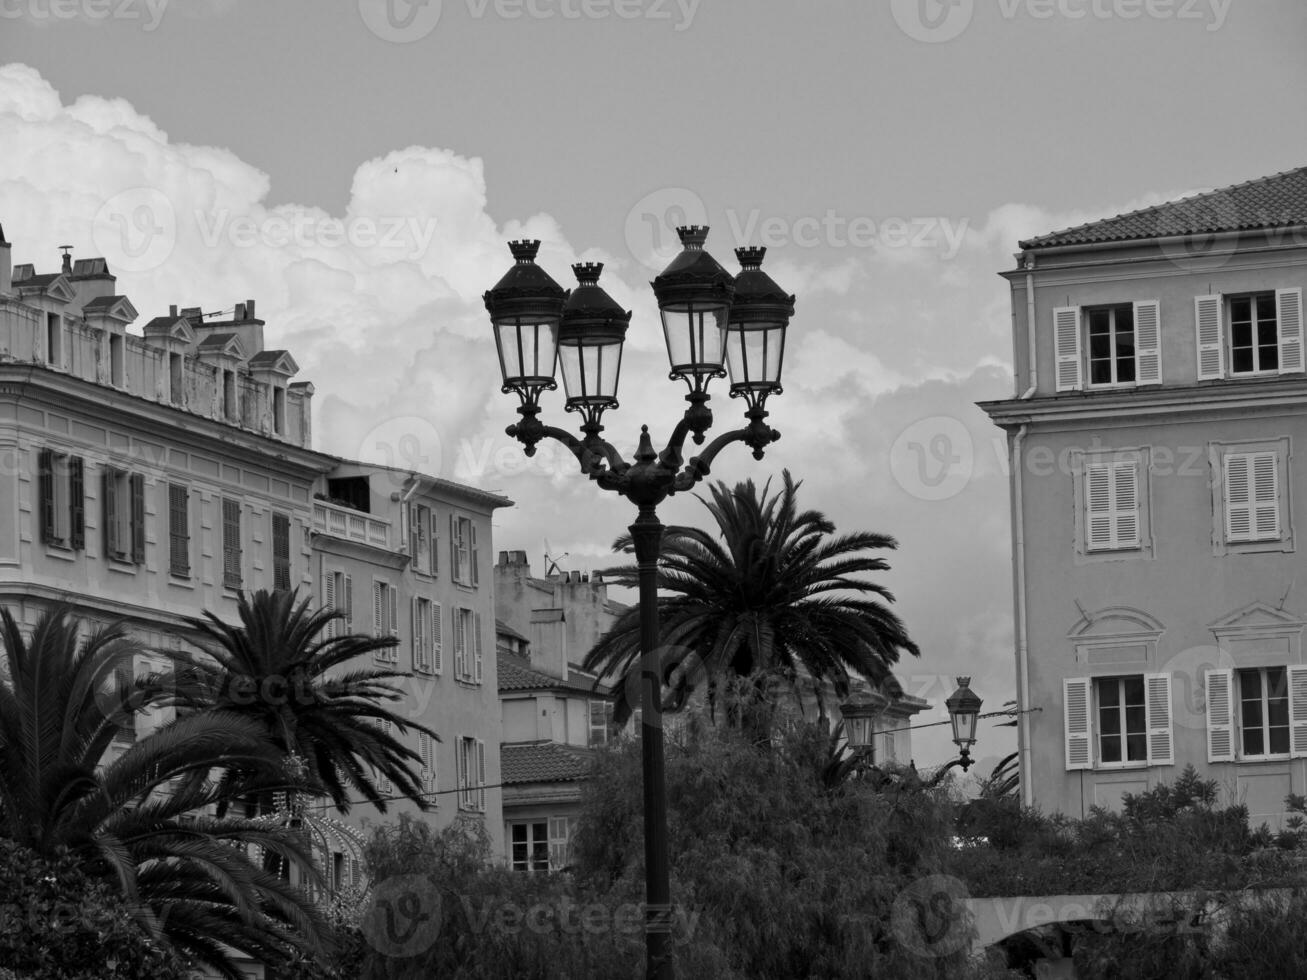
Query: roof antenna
(551, 564)
(68, 258)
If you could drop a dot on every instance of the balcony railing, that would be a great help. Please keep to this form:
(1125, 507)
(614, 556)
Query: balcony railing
(353, 525)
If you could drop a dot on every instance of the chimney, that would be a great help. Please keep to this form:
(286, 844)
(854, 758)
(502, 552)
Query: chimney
(503, 558)
(172, 311)
(6, 265)
(240, 312)
(67, 269)
(249, 310)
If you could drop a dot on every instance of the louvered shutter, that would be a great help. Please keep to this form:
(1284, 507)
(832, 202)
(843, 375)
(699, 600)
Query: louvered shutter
(1066, 343)
(433, 547)
(109, 512)
(462, 761)
(414, 534)
(1265, 496)
(481, 775)
(45, 487)
(559, 832)
(1157, 711)
(1148, 343)
(1238, 497)
(476, 646)
(472, 553)
(329, 601)
(347, 589)
(460, 644)
(1288, 309)
(76, 503)
(393, 595)
(1298, 711)
(384, 785)
(1220, 715)
(437, 652)
(378, 615)
(138, 518)
(1210, 337)
(1098, 506)
(1125, 499)
(453, 548)
(1075, 703)
(415, 616)
(426, 749)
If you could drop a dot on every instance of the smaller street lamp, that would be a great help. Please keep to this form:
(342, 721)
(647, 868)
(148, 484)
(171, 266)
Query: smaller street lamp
(963, 710)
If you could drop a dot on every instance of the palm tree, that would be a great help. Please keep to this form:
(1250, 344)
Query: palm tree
(779, 597)
(135, 820)
(278, 670)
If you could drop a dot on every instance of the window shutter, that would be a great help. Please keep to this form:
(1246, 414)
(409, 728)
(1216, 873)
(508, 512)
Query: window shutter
(378, 615)
(472, 550)
(481, 775)
(1157, 711)
(1125, 497)
(1210, 337)
(1265, 496)
(179, 530)
(1075, 703)
(434, 550)
(45, 485)
(384, 785)
(1238, 497)
(558, 843)
(1288, 308)
(347, 583)
(329, 601)
(1148, 343)
(1066, 343)
(1298, 711)
(76, 503)
(1220, 715)
(414, 535)
(416, 619)
(394, 619)
(138, 518)
(462, 771)
(436, 632)
(1098, 506)
(460, 644)
(427, 752)
(476, 644)
(109, 512)
(453, 547)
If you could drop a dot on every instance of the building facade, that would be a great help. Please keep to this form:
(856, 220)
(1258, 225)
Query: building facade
(150, 477)
(1159, 594)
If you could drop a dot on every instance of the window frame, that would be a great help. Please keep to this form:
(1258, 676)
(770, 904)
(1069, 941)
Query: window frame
(1255, 325)
(536, 846)
(1119, 681)
(1240, 725)
(281, 552)
(231, 512)
(1114, 357)
(179, 541)
(1081, 464)
(1218, 452)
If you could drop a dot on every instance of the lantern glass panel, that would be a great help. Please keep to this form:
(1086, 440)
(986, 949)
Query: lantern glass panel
(527, 349)
(964, 728)
(753, 354)
(590, 371)
(696, 336)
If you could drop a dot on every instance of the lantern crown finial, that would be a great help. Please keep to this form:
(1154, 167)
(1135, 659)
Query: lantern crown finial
(692, 236)
(587, 273)
(525, 250)
(750, 257)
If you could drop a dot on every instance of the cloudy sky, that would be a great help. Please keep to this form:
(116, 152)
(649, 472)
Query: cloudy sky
(356, 167)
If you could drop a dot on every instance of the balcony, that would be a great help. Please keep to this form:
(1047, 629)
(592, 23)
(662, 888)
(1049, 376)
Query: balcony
(352, 525)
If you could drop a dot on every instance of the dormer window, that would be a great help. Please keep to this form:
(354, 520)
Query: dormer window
(1111, 331)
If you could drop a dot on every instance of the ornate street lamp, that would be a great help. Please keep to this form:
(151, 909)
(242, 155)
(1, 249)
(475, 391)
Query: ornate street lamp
(963, 710)
(712, 323)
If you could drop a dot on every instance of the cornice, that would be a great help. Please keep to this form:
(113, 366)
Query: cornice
(328, 543)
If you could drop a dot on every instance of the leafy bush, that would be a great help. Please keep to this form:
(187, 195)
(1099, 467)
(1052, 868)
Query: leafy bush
(58, 924)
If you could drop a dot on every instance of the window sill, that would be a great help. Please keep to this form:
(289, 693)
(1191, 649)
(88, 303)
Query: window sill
(60, 551)
(181, 581)
(1254, 759)
(1120, 766)
(123, 566)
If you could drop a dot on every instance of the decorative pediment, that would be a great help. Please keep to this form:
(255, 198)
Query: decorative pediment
(275, 362)
(114, 307)
(1115, 621)
(172, 327)
(1256, 617)
(222, 345)
(56, 286)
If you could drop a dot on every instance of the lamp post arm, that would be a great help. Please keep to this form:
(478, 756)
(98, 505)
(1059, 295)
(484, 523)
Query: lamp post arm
(941, 772)
(757, 434)
(592, 453)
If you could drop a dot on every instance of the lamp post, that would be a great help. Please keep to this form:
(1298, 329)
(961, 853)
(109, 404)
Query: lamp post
(714, 324)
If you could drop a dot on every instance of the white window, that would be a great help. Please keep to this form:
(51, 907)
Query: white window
(1252, 496)
(528, 843)
(426, 635)
(1247, 334)
(467, 646)
(124, 515)
(427, 750)
(601, 721)
(338, 594)
(1256, 713)
(471, 773)
(1117, 721)
(1111, 496)
(464, 564)
(385, 618)
(1107, 346)
(422, 539)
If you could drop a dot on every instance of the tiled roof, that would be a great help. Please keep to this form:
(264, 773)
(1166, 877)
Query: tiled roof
(542, 762)
(503, 629)
(517, 674)
(102, 302)
(1277, 201)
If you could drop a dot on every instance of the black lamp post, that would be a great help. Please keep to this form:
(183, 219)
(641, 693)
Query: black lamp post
(963, 709)
(713, 324)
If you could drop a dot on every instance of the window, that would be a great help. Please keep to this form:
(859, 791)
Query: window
(1111, 331)
(601, 721)
(426, 636)
(530, 846)
(427, 751)
(279, 410)
(1111, 505)
(1247, 334)
(179, 530)
(176, 391)
(463, 550)
(422, 539)
(124, 515)
(54, 336)
(117, 377)
(467, 646)
(124, 683)
(1107, 346)
(385, 618)
(471, 773)
(61, 487)
(231, 543)
(1256, 713)
(280, 551)
(338, 594)
(1117, 721)
(230, 411)
(1250, 497)
(384, 785)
